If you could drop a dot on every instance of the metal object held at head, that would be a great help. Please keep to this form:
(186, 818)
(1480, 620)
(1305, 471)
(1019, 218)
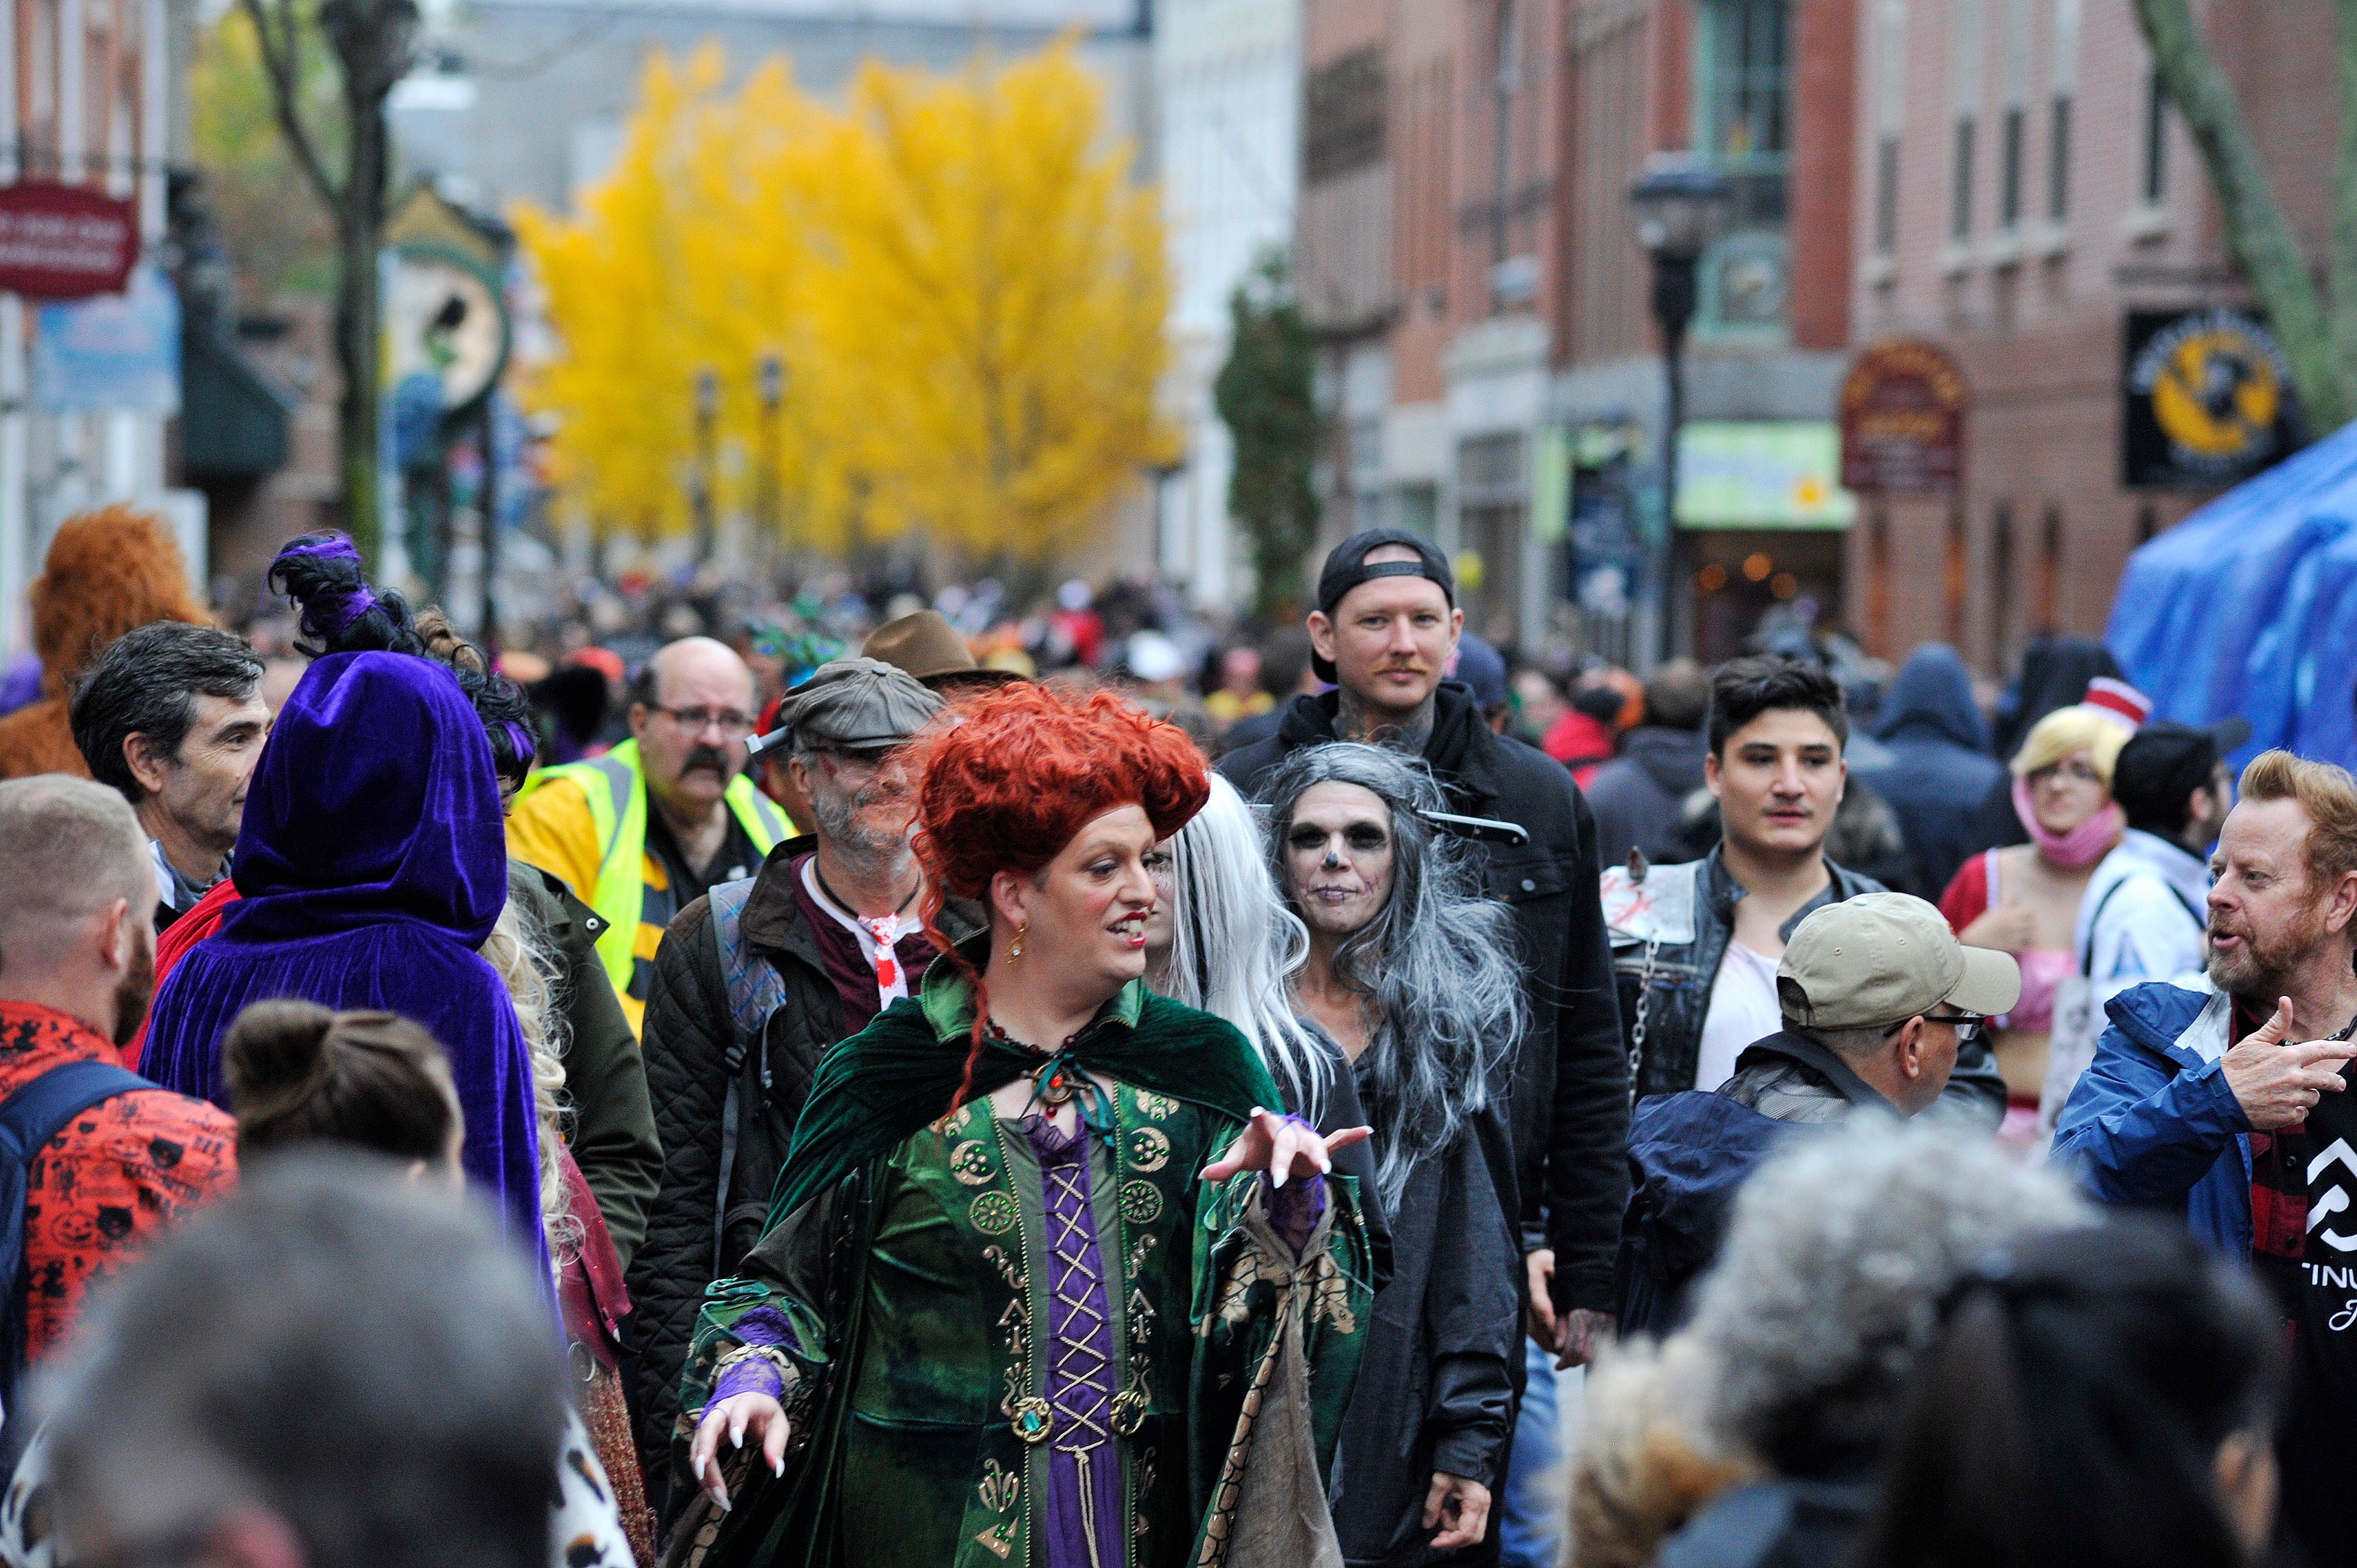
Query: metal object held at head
(770, 742)
(1488, 828)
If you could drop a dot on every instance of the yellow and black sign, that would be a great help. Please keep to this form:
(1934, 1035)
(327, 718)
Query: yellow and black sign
(2209, 400)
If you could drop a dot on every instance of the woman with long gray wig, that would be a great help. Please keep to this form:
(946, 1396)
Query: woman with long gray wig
(1222, 940)
(1412, 972)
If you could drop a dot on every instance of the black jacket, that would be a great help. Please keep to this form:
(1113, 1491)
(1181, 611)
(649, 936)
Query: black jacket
(687, 1038)
(1570, 1112)
(611, 1128)
(1438, 1382)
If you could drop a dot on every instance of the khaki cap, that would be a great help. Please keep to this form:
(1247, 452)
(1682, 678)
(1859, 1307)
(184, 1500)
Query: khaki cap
(1882, 958)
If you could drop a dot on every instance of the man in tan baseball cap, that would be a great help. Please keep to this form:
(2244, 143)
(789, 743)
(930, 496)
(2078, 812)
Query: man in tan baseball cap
(1878, 994)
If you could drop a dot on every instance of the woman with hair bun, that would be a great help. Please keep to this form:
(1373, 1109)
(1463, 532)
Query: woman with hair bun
(1045, 1281)
(297, 1071)
(2100, 1398)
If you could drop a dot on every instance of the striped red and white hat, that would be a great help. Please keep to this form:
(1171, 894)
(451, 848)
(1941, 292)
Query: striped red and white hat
(2118, 701)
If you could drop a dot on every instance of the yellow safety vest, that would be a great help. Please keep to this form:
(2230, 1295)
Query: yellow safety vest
(616, 792)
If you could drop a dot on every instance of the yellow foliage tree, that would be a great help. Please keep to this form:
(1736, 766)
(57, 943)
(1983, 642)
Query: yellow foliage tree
(964, 284)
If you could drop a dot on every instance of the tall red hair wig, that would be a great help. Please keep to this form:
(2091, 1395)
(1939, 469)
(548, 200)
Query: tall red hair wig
(1013, 774)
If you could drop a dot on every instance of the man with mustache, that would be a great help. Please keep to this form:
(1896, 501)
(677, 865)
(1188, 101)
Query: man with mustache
(172, 716)
(2229, 1106)
(646, 830)
(758, 980)
(76, 963)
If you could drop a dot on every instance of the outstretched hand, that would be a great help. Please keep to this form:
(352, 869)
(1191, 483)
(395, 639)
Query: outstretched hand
(737, 1416)
(1286, 1147)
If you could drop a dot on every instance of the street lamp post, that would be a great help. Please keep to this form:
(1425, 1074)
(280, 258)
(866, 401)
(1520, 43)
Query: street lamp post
(773, 403)
(1680, 202)
(707, 414)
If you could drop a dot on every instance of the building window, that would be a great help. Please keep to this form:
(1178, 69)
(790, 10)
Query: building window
(1885, 195)
(1367, 458)
(2010, 176)
(1960, 218)
(2058, 160)
(1344, 114)
(1877, 582)
(1952, 580)
(2155, 140)
(1746, 79)
(2000, 598)
(2050, 572)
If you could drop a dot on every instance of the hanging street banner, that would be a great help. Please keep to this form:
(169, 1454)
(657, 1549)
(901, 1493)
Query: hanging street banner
(118, 352)
(2208, 400)
(64, 242)
(1902, 422)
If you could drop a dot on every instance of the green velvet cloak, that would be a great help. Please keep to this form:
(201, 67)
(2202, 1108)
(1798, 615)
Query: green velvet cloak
(906, 1273)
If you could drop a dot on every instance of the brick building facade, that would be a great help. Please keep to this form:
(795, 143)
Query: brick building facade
(2022, 190)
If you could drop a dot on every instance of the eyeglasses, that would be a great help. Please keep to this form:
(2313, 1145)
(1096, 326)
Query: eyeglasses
(1966, 1025)
(732, 725)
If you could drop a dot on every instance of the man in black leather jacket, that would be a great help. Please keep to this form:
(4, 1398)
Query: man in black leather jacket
(1776, 735)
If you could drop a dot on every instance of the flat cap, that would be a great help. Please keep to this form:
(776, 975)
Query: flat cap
(857, 703)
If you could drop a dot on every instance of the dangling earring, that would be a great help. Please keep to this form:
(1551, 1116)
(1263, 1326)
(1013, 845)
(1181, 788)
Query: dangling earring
(1015, 950)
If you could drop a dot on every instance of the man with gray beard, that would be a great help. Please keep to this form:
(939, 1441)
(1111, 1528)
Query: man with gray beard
(756, 982)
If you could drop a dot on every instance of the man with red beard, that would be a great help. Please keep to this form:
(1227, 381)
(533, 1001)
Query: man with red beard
(2229, 1106)
(116, 1160)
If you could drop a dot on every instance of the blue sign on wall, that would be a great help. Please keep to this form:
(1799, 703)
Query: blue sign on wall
(119, 351)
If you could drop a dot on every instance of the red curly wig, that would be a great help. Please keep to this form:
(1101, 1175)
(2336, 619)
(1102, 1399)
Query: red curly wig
(1015, 773)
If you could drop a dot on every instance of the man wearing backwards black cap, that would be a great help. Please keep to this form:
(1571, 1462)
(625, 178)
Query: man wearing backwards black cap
(1385, 626)
(756, 982)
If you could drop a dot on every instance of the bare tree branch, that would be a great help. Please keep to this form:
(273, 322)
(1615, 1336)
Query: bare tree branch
(2256, 229)
(281, 59)
(2344, 210)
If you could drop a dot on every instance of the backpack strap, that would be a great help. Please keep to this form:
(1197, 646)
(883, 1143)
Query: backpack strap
(29, 1118)
(755, 991)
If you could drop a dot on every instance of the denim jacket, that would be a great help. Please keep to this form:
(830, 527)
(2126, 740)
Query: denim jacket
(1669, 932)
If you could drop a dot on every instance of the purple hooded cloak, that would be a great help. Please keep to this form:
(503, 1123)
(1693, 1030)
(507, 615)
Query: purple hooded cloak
(372, 866)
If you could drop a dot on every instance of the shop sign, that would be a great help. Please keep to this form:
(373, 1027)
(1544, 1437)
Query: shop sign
(1761, 474)
(1902, 421)
(121, 351)
(2208, 398)
(62, 242)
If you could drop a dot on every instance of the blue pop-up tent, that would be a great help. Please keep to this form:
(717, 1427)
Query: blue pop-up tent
(2245, 607)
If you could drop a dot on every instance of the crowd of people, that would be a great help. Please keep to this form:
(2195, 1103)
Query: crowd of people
(1089, 1089)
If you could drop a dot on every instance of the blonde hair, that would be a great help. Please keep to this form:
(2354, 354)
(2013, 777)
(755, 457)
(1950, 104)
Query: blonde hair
(2066, 730)
(518, 951)
(2329, 796)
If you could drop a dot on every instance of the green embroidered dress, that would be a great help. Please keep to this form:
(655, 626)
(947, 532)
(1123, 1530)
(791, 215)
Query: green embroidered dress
(910, 1261)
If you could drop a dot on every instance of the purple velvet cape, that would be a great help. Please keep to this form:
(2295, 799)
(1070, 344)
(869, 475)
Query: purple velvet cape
(372, 866)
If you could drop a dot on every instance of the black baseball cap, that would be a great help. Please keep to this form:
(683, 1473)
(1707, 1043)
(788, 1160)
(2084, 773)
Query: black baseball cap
(2164, 762)
(1346, 567)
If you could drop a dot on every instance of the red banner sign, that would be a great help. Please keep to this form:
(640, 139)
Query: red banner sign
(62, 242)
(1902, 421)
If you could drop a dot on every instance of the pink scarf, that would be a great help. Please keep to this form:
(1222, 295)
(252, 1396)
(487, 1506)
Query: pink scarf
(2083, 845)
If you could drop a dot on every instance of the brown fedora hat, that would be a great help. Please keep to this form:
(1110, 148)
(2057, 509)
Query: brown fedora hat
(928, 647)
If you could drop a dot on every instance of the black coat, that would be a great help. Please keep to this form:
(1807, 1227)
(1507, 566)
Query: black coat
(1436, 1383)
(1569, 1113)
(1640, 797)
(687, 1038)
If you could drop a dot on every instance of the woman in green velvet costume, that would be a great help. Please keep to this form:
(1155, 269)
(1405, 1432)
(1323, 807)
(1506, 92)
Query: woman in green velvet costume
(1044, 1285)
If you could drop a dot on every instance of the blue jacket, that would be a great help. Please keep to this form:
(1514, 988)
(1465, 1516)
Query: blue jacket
(2152, 1123)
